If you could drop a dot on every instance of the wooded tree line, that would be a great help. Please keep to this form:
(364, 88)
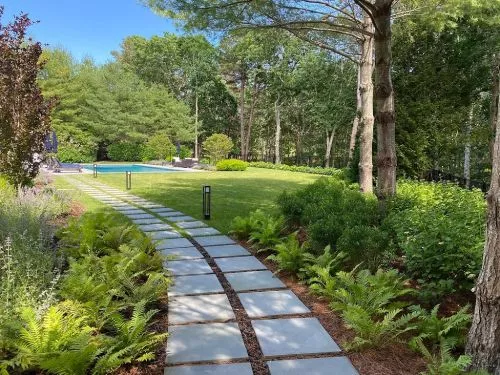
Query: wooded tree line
(302, 93)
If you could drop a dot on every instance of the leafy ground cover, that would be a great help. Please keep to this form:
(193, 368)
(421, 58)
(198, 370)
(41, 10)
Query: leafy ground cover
(382, 270)
(233, 193)
(77, 295)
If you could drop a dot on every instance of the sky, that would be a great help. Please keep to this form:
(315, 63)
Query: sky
(88, 27)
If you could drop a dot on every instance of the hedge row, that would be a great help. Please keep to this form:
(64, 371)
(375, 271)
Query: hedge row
(297, 168)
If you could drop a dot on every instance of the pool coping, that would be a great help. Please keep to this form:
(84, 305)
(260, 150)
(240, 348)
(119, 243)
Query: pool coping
(177, 169)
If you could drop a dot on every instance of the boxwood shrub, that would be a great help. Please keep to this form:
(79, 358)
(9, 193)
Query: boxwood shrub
(340, 173)
(231, 165)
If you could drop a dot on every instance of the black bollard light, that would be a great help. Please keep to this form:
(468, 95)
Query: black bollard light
(206, 201)
(95, 170)
(128, 179)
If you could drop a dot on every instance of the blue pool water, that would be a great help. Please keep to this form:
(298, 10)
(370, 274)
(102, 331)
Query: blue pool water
(116, 168)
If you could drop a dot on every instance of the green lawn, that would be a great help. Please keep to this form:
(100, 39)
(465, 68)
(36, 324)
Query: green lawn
(233, 193)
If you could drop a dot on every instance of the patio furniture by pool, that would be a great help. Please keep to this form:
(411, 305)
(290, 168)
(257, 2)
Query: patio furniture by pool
(67, 167)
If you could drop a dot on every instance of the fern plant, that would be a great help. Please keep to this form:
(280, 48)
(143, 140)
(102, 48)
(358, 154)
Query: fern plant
(333, 262)
(132, 340)
(375, 293)
(372, 331)
(434, 329)
(444, 363)
(268, 235)
(242, 227)
(321, 282)
(58, 342)
(290, 255)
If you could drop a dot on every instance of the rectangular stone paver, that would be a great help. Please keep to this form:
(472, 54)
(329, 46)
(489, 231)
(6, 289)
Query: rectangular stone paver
(226, 251)
(191, 224)
(189, 267)
(170, 214)
(165, 234)
(229, 369)
(197, 309)
(271, 303)
(133, 211)
(205, 342)
(127, 207)
(183, 253)
(161, 209)
(293, 336)
(174, 243)
(154, 227)
(140, 216)
(147, 221)
(196, 284)
(151, 205)
(180, 219)
(202, 231)
(313, 366)
(253, 280)
(235, 264)
(214, 240)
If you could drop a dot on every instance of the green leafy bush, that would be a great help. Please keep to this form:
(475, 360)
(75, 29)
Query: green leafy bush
(339, 173)
(364, 244)
(327, 207)
(217, 146)
(125, 151)
(158, 147)
(185, 152)
(231, 165)
(440, 230)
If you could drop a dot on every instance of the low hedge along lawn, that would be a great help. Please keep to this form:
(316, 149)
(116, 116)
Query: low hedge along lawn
(231, 165)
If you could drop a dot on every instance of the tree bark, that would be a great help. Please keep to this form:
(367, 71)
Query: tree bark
(355, 122)
(329, 144)
(384, 95)
(367, 120)
(467, 148)
(196, 126)
(242, 116)
(277, 137)
(484, 337)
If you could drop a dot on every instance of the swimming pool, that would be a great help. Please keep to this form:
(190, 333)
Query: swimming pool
(137, 168)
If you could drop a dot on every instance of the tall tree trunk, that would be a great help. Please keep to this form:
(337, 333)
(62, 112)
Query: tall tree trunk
(277, 136)
(248, 134)
(367, 120)
(384, 95)
(196, 126)
(329, 143)
(355, 122)
(484, 336)
(467, 148)
(242, 117)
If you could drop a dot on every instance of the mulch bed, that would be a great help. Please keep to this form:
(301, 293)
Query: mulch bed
(396, 359)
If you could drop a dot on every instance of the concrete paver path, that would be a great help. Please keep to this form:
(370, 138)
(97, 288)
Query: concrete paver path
(203, 326)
